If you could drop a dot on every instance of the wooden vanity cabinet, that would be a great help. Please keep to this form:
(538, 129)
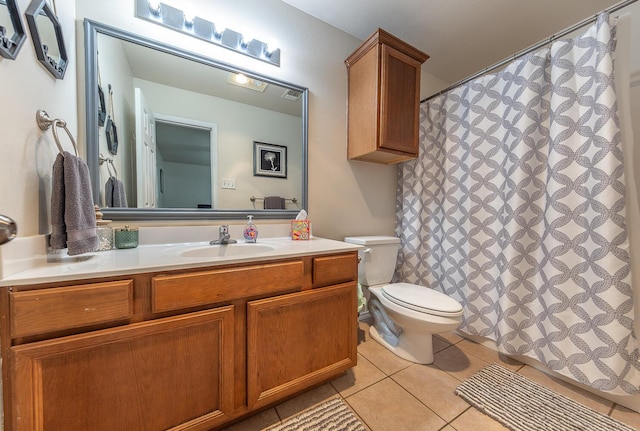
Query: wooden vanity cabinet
(299, 340)
(180, 350)
(174, 373)
(383, 100)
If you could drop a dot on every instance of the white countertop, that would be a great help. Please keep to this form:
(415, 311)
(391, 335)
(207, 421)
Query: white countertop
(167, 257)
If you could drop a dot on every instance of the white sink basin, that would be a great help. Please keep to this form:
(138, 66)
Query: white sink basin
(229, 250)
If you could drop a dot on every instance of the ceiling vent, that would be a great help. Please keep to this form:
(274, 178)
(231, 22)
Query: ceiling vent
(291, 94)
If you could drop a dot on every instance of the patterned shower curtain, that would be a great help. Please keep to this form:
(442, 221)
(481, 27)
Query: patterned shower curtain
(516, 209)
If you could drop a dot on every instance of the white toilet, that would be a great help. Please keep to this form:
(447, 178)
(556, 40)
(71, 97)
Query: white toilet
(405, 315)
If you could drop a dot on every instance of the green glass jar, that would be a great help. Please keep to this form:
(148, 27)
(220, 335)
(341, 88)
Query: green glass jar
(126, 237)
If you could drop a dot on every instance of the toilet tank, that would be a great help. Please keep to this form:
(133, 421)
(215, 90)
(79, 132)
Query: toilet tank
(377, 260)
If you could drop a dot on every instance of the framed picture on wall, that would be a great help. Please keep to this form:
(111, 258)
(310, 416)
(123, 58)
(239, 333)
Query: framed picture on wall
(269, 160)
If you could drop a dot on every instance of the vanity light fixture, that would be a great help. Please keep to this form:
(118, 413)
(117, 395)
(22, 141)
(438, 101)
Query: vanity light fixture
(184, 22)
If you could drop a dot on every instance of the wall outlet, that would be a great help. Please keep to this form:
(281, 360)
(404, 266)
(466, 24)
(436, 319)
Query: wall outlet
(228, 183)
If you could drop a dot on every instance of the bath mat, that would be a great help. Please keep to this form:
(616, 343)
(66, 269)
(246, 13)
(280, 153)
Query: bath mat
(522, 405)
(333, 415)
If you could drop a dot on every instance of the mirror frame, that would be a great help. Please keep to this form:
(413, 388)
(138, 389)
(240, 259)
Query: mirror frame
(91, 31)
(18, 37)
(36, 7)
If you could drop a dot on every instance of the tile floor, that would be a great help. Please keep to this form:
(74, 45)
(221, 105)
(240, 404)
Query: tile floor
(391, 394)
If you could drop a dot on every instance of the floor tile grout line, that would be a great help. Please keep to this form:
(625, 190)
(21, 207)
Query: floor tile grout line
(459, 414)
(353, 409)
(359, 390)
(375, 366)
(499, 353)
(444, 419)
(416, 398)
(380, 369)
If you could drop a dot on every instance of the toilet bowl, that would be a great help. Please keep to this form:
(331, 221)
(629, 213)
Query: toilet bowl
(405, 315)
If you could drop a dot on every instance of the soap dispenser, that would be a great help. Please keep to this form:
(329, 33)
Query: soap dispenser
(250, 231)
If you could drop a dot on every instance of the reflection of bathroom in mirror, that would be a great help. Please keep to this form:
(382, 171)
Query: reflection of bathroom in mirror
(186, 130)
(46, 34)
(11, 30)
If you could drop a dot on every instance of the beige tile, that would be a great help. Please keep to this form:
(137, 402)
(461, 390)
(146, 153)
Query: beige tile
(450, 337)
(385, 406)
(458, 363)
(306, 400)
(448, 428)
(593, 401)
(382, 358)
(434, 388)
(473, 420)
(626, 416)
(439, 344)
(357, 378)
(489, 355)
(256, 423)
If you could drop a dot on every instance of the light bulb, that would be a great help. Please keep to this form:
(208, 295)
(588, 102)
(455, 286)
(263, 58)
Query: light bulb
(272, 45)
(218, 30)
(154, 7)
(247, 38)
(188, 18)
(240, 78)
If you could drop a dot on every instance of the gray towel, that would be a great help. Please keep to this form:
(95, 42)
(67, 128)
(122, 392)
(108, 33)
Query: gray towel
(114, 193)
(274, 203)
(58, 228)
(73, 219)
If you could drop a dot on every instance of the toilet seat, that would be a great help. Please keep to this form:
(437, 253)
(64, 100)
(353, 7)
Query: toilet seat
(422, 299)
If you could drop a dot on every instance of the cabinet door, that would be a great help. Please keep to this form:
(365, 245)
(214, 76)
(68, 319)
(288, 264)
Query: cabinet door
(173, 373)
(298, 340)
(399, 101)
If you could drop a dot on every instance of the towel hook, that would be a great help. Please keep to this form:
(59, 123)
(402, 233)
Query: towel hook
(45, 122)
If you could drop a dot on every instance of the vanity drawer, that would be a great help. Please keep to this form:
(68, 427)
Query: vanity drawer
(175, 292)
(54, 309)
(336, 269)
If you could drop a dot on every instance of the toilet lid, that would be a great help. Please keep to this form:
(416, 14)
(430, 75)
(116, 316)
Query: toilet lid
(423, 299)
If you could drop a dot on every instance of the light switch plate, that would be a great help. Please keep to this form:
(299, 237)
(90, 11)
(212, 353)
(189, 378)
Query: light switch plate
(228, 183)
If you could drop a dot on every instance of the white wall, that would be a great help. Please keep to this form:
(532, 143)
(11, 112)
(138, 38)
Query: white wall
(27, 154)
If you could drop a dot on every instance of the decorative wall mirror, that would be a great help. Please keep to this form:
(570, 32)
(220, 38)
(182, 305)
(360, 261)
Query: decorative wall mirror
(46, 34)
(11, 30)
(183, 125)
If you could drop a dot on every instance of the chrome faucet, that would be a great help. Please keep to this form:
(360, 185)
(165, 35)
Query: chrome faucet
(223, 236)
(8, 229)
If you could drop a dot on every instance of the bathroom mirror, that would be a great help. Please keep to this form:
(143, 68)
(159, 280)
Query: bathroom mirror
(184, 125)
(46, 34)
(11, 30)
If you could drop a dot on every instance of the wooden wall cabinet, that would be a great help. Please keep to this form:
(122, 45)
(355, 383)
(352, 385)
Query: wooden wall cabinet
(383, 100)
(182, 350)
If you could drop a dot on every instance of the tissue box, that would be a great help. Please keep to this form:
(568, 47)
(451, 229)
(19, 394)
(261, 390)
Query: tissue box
(300, 229)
